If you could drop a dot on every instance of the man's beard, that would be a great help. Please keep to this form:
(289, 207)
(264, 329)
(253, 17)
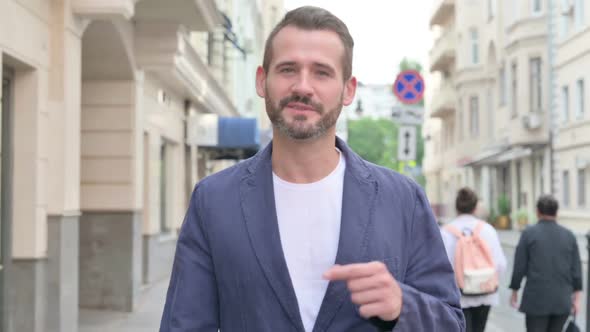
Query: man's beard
(298, 128)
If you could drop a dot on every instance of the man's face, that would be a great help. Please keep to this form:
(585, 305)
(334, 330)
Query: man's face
(304, 89)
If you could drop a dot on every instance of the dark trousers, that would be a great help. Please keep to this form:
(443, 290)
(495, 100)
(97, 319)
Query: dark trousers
(476, 318)
(550, 323)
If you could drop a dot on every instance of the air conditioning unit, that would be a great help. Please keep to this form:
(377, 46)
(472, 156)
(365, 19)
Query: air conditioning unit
(567, 7)
(531, 121)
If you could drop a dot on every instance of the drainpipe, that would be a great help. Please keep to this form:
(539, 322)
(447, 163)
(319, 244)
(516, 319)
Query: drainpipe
(552, 107)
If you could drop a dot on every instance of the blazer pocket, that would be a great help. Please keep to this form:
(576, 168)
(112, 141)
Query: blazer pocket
(392, 265)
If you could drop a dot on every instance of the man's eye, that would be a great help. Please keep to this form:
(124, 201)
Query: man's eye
(286, 70)
(323, 73)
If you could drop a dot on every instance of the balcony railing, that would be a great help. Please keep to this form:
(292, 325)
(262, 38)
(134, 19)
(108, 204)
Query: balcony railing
(443, 53)
(443, 100)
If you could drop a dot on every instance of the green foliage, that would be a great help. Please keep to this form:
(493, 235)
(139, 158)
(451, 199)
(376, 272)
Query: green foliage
(503, 205)
(407, 64)
(374, 140)
(493, 216)
(522, 213)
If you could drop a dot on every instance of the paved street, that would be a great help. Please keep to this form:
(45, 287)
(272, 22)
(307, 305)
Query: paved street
(147, 316)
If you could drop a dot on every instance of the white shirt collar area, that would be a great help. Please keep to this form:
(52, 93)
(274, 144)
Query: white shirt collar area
(335, 174)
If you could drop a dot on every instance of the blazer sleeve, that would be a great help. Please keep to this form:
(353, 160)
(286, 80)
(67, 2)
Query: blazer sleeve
(521, 259)
(576, 266)
(430, 296)
(192, 302)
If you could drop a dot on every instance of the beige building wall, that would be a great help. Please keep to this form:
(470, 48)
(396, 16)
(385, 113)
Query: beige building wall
(272, 12)
(25, 45)
(108, 149)
(572, 144)
(484, 132)
(98, 87)
(164, 125)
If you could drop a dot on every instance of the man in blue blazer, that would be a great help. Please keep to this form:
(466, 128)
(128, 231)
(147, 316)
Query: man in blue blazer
(306, 236)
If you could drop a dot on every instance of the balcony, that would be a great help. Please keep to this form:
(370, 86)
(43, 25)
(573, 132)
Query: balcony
(165, 50)
(443, 10)
(443, 53)
(104, 9)
(526, 32)
(195, 15)
(443, 100)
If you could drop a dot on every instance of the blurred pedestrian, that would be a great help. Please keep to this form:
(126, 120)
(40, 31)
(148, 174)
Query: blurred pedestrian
(547, 256)
(474, 249)
(306, 235)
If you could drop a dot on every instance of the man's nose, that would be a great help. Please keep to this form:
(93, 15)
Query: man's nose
(302, 85)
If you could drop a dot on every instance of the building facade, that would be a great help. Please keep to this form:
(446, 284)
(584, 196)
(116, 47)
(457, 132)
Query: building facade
(571, 21)
(101, 101)
(490, 116)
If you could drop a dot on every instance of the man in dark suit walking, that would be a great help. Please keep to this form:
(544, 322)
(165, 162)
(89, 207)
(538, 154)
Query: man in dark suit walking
(547, 255)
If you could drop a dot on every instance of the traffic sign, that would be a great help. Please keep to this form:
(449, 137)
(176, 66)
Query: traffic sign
(406, 143)
(409, 115)
(409, 87)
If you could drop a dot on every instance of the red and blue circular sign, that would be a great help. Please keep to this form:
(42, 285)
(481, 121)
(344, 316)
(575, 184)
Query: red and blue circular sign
(409, 87)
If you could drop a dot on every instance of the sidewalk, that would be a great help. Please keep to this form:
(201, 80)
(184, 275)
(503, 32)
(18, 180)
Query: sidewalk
(146, 318)
(504, 317)
(149, 311)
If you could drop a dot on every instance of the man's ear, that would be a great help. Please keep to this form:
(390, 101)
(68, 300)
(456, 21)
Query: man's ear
(260, 81)
(349, 91)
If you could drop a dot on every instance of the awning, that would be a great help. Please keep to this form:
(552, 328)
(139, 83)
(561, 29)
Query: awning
(514, 153)
(224, 137)
(486, 157)
(500, 155)
(238, 133)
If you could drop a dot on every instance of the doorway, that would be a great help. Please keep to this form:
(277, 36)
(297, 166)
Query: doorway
(5, 192)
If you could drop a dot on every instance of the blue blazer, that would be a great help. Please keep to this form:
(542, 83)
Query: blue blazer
(230, 273)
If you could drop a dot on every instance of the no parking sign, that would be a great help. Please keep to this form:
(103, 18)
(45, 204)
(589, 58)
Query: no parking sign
(409, 87)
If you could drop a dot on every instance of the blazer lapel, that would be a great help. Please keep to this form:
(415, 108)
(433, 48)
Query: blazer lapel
(357, 209)
(258, 206)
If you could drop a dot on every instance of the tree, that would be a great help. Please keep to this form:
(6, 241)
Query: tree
(374, 140)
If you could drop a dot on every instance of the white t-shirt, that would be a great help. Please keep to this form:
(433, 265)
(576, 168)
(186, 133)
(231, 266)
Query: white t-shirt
(309, 225)
(490, 236)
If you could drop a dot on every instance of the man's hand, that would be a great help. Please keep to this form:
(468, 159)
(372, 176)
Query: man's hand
(576, 302)
(514, 299)
(371, 287)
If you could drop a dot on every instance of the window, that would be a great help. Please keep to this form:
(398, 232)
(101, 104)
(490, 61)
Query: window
(163, 188)
(511, 12)
(210, 48)
(581, 187)
(514, 89)
(566, 188)
(490, 112)
(460, 120)
(452, 132)
(474, 46)
(542, 177)
(474, 116)
(565, 102)
(502, 85)
(491, 9)
(579, 13)
(519, 184)
(580, 102)
(536, 85)
(537, 6)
